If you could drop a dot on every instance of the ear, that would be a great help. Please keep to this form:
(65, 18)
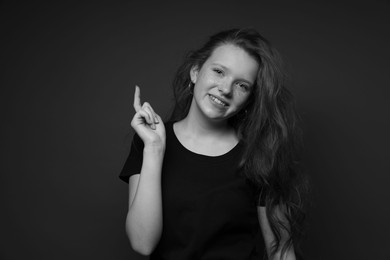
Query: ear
(194, 73)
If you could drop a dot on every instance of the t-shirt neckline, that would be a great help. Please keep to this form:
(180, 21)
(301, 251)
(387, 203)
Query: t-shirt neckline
(223, 157)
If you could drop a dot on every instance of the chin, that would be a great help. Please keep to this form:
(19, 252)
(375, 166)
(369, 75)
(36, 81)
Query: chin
(219, 118)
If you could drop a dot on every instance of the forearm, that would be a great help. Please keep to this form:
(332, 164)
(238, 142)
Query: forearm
(144, 218)
(289, 255)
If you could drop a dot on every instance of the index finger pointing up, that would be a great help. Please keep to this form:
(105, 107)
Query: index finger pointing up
(137, 99)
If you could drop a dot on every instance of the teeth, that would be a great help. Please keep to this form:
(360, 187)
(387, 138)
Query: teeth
(218, 101)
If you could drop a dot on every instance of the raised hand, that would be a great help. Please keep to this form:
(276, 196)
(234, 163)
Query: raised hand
(147, 124)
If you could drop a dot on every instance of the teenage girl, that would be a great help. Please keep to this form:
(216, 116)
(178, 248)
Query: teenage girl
(222, 169)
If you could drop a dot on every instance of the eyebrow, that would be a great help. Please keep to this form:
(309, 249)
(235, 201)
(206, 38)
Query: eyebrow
(226, 68)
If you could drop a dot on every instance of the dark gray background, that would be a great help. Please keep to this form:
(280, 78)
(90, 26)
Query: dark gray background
(67, 79)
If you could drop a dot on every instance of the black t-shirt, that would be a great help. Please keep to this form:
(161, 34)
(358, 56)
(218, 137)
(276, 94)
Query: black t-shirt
(209, 209)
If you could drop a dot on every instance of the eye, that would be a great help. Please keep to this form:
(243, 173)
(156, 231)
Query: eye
(218, 71)
(243, 86)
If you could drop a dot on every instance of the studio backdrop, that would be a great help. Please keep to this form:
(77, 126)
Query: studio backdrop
(68, 72)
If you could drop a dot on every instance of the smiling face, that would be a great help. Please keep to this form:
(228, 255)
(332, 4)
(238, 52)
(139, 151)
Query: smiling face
(224, 83)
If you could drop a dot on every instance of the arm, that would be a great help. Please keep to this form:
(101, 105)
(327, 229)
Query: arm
(269, 236)
(144, 217)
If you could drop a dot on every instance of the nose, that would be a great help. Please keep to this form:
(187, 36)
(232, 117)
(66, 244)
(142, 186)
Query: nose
(225, 88)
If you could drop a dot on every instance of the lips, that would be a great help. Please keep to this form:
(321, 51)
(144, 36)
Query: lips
(218, 100)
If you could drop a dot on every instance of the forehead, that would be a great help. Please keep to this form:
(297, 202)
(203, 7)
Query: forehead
(235, 59)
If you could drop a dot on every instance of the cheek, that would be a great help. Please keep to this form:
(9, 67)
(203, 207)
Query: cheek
(242, 98)
(211, 81)
(208, 78)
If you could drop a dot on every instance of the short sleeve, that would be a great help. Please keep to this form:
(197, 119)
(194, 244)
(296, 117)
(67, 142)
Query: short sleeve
(133, 163)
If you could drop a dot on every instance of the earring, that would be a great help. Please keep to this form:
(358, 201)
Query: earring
(244, 114)
(190, 87)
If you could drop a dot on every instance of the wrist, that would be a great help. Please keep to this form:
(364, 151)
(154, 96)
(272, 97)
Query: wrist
(153, 148)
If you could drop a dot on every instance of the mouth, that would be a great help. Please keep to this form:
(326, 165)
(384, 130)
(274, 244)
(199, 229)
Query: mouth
(218, 101)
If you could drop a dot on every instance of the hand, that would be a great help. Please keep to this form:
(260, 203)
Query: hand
(147, 124)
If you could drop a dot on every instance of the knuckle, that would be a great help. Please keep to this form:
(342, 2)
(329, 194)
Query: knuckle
(144, 110)
(142, 113)
(133, 123)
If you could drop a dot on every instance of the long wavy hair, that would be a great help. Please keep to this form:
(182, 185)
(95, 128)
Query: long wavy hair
(268, 127)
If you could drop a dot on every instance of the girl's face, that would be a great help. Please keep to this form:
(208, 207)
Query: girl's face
(224, 83)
